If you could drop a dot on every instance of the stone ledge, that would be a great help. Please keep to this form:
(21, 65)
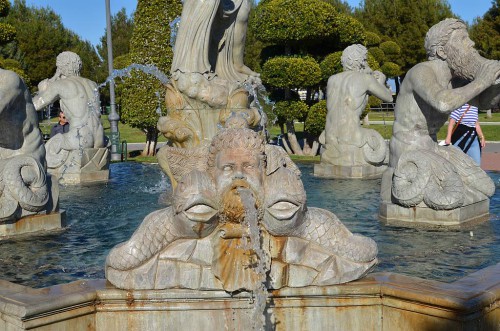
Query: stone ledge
(424, 217)
(381, 301)
(83, 177)
(34, 224)
(367, 171)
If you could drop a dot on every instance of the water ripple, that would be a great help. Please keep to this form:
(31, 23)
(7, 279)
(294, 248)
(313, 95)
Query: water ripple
(101, 216)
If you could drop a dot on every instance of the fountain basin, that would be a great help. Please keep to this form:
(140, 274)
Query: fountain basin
(381, 301)
(102, 215)
(438, 295)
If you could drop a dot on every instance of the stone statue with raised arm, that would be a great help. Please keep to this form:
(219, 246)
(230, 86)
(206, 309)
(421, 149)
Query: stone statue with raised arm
(28, 200)
(79, 154)
(209, 79)
(428, 184)
(351, 151)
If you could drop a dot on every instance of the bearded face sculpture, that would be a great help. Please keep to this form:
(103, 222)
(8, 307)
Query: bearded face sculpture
(238, 223)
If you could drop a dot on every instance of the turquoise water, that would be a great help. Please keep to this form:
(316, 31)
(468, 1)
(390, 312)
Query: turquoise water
(101, 216)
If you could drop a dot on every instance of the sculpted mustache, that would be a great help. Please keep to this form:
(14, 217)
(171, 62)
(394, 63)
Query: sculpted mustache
(239, 183)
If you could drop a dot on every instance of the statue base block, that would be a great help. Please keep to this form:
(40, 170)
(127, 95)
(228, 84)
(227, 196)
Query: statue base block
(424, 217)
(34, 224)
(91, 165)
(367, 171)
(84, 177)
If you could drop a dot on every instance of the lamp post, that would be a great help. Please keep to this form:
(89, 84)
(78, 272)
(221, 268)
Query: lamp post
(113, 117)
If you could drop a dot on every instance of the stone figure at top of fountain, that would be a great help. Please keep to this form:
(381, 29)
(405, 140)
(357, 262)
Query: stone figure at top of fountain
(78, 97)
(351, 151)
(211, 40)
(243, 206)
(423, 178)
(209, 79)
(25, 188)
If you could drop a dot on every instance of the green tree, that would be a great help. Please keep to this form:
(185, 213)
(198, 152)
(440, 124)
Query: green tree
(7, 34)
(253, 46)
(316, 118)
(308, 30)
(122, 27)
(41, 36)
(7, 31)
(150, 46)
(485, 32)
(405, 22)
(341, 6)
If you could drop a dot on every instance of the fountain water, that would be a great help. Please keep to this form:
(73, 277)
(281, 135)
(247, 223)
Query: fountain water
(261, 266)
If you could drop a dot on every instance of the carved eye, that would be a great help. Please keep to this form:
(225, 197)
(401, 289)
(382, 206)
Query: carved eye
(227, 168)
(200, 213)
(283, 210)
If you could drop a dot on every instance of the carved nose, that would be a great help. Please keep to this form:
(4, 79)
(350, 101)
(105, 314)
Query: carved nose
(239, 175)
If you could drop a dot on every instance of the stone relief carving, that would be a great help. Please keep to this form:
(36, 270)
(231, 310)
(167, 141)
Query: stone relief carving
(209, 80)
(346, 143)
(70, 152)
(421, 173)
(25, 189)
(203, 240)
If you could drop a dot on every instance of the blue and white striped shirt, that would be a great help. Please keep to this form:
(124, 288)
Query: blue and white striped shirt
(470, 117)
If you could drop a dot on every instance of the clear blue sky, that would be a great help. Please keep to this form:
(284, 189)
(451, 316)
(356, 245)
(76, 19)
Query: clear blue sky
(87, 18)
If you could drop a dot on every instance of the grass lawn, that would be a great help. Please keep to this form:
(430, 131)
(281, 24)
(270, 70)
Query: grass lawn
(491, 132)
(133, 135)
(128, 133)
(389, 116)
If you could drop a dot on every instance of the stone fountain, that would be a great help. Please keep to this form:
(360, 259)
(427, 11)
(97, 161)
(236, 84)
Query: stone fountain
(239, 249)
(199, 242)
(427, 184)
(80, 155)
(29, 198)
(209, 81)
(238, 222)
(350, 151)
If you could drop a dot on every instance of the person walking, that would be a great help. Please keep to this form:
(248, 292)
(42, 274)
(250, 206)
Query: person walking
(465, 132)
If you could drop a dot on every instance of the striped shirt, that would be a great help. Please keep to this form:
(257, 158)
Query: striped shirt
(470, 117)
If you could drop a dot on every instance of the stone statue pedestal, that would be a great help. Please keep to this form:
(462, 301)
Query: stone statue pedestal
(90, 165)
(34, 224)
(422, 216)
(366, 171)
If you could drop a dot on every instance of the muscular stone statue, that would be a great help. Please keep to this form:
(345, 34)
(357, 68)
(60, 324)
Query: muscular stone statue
(427, 183)
(25, 188)
(351, 151)
(79, 100)
(205, 240)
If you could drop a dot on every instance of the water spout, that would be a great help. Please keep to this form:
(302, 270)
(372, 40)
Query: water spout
(260, 294)
(127, 72)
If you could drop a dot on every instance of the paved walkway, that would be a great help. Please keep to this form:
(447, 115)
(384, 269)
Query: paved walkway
(490, 159)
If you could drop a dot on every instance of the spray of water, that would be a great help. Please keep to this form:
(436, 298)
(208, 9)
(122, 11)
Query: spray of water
(127, 72)
(260, 294)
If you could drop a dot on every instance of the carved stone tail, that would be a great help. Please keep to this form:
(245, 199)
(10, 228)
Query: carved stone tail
(325, 229)
(153, 234)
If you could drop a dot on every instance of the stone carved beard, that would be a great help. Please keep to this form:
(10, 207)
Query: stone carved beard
(233, 258)
(365, 68)
(232, 208)
(464, 63)
(359, 66)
